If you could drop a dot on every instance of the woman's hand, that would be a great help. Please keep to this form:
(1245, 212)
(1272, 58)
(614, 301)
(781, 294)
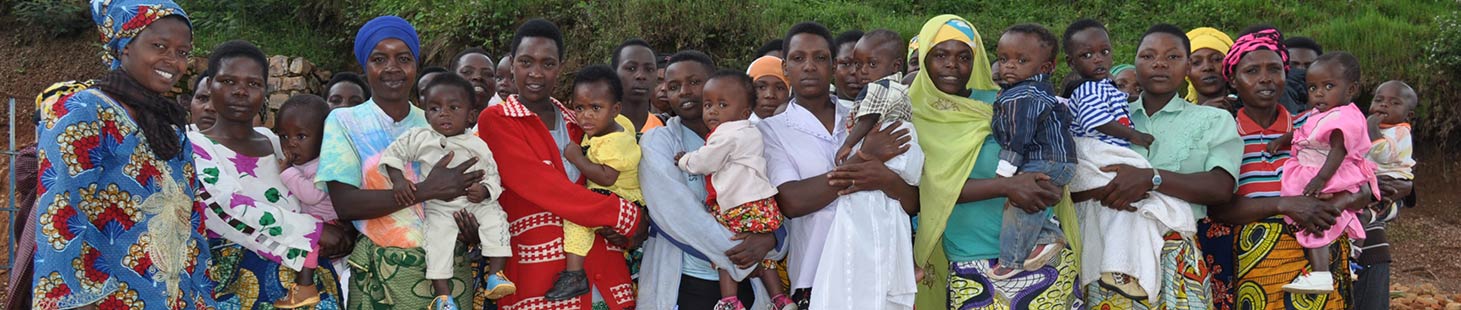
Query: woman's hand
(884, 143)
(1308, 213)
(752, 250)
(336, 241)
(1130, 185)
(863, 176)
(466, 227)
(615, 238)
(447, 183)
(1395, 189)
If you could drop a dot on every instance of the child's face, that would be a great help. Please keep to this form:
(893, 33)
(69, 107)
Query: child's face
(949, 65)
(637, 71)
(344, 95)
(595, 108)
(1161, 62)
(1126, 82)
(505, 86)
(200, 110)
(1394, 103)
(771, 94)
(1021, 56)
(448, 108)
(1327, 86)
(300, 135)
(847, 82)
(479, 70)
(1204, 71)
(725, 101)
(1090, 53)
(875, 59)
(1259, 79)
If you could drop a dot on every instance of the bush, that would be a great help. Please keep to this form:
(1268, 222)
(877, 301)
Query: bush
(58, 17)
(1438, 111)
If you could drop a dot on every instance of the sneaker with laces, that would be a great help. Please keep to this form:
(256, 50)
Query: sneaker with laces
(1123, 284)
(1311, 283)
(729, 303)
(499, 286)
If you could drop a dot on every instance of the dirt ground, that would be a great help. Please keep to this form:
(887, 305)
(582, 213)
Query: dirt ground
(1426, 239)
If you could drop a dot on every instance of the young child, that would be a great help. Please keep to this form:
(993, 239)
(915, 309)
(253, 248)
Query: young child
(741, 196)
(448, 98)
(1032, 128)
(1390, 110)
(1329, 157)
(609, 158)
(880, 55)
(505, 87)
(301, 124)
(1103, 133)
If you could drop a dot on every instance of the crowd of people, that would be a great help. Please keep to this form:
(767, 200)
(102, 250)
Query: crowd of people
(864, 170)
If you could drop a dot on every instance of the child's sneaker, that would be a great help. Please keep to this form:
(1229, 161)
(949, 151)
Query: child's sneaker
(299, 296)
(499, 286)
(443, 302)
(1123, 284)
(1311, 283)
(1042, 254)
(729, 303)
(570, 284)
(1000, 273)
(781, 302)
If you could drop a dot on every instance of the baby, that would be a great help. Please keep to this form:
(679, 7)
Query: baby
(448, 101)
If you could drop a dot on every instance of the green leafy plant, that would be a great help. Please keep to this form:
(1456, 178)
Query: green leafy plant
(57, 17)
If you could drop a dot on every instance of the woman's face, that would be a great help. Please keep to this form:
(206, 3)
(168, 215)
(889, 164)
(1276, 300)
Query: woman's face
(1205, 72)
(200, 111)
(662, 102)
(846, 80)
(158, 56)
(479, 70)
(238, 90)
(535, 69)
(391, 70)
(949, 64)
(638, 73)
(771, 94)
(685, 86)
(808, 65)
(1259, 79)
(344, 95)
(1126, 82)
(1161, 62)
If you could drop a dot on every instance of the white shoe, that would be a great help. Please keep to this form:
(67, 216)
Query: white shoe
(1311, 283)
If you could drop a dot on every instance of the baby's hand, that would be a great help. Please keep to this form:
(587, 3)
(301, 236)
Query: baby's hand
(477, 193)
(1315, 188)
(677, 157)
(1144, 139)
(842, 154)
(1274, 146)
(405, 193)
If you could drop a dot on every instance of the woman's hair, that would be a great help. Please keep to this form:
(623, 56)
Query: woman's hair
(347, 77)
(600, 74)
(692, 55)
(235, 49)
(740, 78)
(540, 28)
(850, 36)
(1046, 37)
(449, 79)
(312, 107)
(773, 45)
(1346, 60)
(457, 61)
(812, 28)
(614, 60)
(1169, 29)
(1304, 42)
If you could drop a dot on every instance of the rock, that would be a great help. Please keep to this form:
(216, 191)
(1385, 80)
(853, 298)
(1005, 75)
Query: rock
(274, 84)
(277, 65)
(292, 83)
(277, 99)
(300, 66)
(1453, 306)
(323, 75)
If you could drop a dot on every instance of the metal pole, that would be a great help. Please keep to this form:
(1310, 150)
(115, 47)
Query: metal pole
(11, 206)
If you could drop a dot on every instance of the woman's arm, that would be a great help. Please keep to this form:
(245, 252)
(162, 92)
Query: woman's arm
(444, 183)
(1131, 184)
(1028, 191)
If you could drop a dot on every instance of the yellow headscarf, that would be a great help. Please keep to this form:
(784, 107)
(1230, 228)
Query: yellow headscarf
(1206, 37)
(951, 132)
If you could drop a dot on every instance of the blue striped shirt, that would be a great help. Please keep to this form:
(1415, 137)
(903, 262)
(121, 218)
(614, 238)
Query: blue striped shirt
(1097, 102)
(1031, 125)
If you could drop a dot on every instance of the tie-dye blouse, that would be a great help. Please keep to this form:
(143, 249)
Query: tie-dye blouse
(350, 153)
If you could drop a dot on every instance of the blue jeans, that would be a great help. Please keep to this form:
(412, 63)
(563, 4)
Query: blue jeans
(1021, 231)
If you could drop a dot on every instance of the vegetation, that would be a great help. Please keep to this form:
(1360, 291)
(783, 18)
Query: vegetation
(1418, 41)
(56, 17)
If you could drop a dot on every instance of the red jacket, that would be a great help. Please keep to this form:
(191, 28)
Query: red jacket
(538, 198)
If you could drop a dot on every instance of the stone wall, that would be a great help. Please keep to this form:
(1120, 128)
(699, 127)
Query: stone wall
(288, 76)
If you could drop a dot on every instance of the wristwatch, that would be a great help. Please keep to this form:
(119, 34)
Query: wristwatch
(1156, 179)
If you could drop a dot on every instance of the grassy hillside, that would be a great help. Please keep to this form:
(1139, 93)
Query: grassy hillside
(1390, 37)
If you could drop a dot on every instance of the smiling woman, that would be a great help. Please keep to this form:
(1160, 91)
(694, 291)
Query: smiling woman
(116, 191)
